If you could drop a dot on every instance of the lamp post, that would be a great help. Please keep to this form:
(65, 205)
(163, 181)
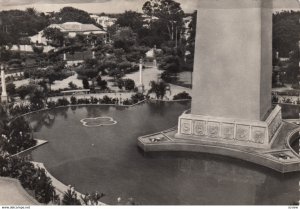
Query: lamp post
(141, 85)
(4, 93)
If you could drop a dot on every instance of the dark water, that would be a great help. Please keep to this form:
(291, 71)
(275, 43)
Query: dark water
(116, 167)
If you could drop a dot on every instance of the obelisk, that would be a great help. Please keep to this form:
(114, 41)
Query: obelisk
(3, 83)
(232, 75)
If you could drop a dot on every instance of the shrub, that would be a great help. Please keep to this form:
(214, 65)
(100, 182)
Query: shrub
(127, 102)
(51, 104)
(17, 137)
(70, 198)
(137, 97)
(62, 102)
(167, 77)
(31, 178)
(72, 85)
(129, 84)
(182, 95)
(94, 100)
(73, 100)
(85, 83)
(107, 100)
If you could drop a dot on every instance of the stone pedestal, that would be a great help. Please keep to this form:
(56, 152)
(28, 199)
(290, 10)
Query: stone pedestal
(241, 132)
(232, 75)
(141, 88)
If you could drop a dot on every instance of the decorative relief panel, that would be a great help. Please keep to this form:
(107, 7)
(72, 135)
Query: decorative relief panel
(274, 125)
(258, 135)
(227, 131)
(213, 129)
(199, 128)
(186, 126)
(242, 132)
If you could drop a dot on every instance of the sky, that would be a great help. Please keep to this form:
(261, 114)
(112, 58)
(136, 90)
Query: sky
(114, 6)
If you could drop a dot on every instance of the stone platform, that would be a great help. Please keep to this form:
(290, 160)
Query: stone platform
(280, 156)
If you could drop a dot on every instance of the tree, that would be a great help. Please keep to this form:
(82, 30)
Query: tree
(170, 63)
(17, 24)
(286, 29)
(85, 83)
(31, 11)
(159, 89)
(129, 84)
(131, 19)
(37, 98)
(191, 41)
(101, 83)
(18, 136)
(70, 198)
(72, 85)
(125, 38)
(169, 13)
(24, 90)
(70, 14)
(55, 35)
(11, 89)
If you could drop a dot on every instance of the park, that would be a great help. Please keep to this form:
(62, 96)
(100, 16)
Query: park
(150, 107)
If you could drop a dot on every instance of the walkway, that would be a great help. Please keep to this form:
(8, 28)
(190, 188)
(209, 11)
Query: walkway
(12, 193)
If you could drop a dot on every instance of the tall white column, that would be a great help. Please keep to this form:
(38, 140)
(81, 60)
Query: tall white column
(93, 56)
(65, 57)
(141, 85)
(141, 72)
(4, 93)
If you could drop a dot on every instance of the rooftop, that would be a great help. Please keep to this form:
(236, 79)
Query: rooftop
(76, 27)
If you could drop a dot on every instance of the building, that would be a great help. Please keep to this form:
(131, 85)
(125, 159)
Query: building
(70, 29)
(104, 21)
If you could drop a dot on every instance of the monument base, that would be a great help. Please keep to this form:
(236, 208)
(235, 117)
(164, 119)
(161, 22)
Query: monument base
(141, 88)
(258, 134)
(4, 99)
(280, 156)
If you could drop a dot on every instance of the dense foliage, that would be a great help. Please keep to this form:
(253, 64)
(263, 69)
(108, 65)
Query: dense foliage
(32, 179)
(15, 24)
(286, 30)
(16, 136)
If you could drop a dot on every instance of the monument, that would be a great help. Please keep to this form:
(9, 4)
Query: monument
(4, 98)
(231, 112)
(232, 75)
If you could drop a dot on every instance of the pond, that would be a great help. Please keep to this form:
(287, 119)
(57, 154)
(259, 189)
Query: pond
(107, 159)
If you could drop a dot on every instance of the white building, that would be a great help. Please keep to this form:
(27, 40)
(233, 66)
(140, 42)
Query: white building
(104, 21)
(70, 29)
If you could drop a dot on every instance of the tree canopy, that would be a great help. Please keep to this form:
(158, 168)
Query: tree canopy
(168, 12)
(131, 19)
(286, 30)
(70, 14)
(15, 24)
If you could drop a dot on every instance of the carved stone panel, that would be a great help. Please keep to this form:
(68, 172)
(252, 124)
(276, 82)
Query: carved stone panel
(199, 128)
(213, 129)
(186, 126)
(227, 131)
(274, 125)
(242, 132)
(258, 135)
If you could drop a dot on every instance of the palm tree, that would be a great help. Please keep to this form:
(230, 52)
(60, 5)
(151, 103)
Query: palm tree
(159, 88)
(70, 198)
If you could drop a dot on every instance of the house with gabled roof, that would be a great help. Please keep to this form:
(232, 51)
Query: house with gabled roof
(70, 29)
